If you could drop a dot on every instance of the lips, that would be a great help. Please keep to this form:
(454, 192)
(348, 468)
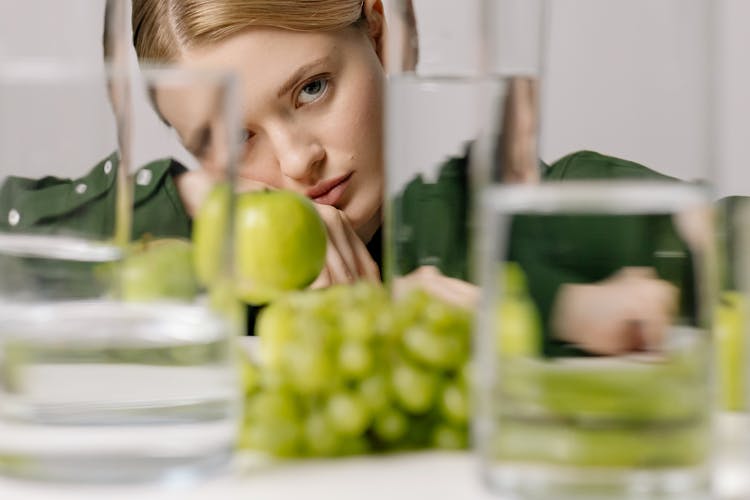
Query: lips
(329, 192)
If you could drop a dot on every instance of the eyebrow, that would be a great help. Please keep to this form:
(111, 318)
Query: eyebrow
(299, 74)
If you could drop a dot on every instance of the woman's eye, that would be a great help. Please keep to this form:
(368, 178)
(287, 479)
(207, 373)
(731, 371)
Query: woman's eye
(312, 91)
(246, 135)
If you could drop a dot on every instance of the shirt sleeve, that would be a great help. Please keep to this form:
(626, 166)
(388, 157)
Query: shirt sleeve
(84, 207)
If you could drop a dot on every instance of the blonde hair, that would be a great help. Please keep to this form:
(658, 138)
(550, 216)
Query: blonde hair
(162, 29)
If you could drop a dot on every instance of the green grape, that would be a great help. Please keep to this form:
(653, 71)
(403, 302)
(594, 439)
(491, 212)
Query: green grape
(368, 294)
(414, 388)
(321, 438)
(730, 316)
(465, 375)
(348, 413)
(607, 388)
(357, 324)
(436, 350)
(408, 310)
(355, 359)
(276, 328)
(391, 425)
(420, 430)
(442, 317)
(387, 326)
(250, 375)
(374, 391)
(354, 445)
(518, 330)
(454, 403)
(273, 379)
(449, 437)
(252, 436)
(514, 279)
(561, 443)
(308, 368)
(332, 381)
(270, 406)
(281, 437)
(316, 330)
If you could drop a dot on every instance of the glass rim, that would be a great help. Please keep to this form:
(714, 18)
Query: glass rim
(595, 197)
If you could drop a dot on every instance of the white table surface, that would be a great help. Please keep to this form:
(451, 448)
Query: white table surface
(412, 476)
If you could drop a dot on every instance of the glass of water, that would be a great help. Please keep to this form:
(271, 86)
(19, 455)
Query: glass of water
(116, 359)
(593, 348)
(461, 112)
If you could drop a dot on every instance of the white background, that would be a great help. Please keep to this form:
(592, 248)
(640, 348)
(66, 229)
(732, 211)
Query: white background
(588, 100)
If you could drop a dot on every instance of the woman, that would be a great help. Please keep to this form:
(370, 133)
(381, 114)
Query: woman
(312, 123)
(312, 81)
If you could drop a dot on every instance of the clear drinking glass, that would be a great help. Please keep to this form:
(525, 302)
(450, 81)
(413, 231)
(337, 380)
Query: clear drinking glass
(116, 360)
(593, 383)
(732, 323)
(595, 342)
(461, 112)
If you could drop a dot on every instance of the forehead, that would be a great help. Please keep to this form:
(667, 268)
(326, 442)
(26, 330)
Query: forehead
(264, 60)
(266, 56)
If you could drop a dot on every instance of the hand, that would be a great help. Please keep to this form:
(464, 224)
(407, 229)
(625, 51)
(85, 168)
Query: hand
(193, 186)
(629, 311)
(347, 257)
(431, 280)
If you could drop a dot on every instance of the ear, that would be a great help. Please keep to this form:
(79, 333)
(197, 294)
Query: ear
(372, 10)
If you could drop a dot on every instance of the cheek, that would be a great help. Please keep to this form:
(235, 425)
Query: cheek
(364, 128)
(258, 166)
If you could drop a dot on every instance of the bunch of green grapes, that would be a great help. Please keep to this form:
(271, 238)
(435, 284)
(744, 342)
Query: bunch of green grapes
(347, 370)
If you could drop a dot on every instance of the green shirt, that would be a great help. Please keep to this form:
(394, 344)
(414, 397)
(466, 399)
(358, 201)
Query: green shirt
(428, 228)
(437, 211)
(53, 204)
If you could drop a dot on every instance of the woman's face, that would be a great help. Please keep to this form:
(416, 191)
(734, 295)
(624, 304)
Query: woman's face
(311, 112)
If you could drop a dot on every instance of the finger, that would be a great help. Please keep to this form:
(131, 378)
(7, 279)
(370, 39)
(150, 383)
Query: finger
(365, 265)
(461, 294)
(340, 258)
(339, 269)
(323, 280)
(450, 290)
(659, 305)
(636, 272)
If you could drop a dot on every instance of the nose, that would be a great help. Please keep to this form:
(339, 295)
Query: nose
(299, 153)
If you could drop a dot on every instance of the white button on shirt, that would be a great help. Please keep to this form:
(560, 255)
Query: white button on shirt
(108, 167)
(144, 177)
(81, 188)
(14, 217)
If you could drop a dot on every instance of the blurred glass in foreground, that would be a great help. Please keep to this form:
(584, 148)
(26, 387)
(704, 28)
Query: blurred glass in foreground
(595, 383)
(116, 361)
(461, 112)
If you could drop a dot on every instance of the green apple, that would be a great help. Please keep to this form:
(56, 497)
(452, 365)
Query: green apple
(280, 242)
(210, 232)
(158, 269)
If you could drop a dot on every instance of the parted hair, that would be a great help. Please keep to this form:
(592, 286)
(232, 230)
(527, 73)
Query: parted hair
(162, 29)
